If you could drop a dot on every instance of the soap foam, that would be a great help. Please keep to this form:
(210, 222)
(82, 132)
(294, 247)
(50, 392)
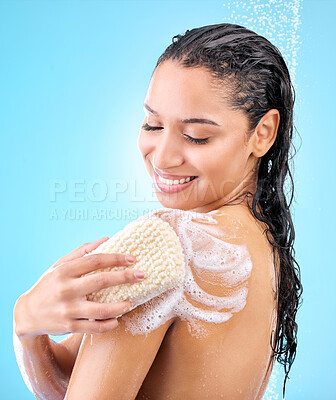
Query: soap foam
(207, 251)
(34, 368)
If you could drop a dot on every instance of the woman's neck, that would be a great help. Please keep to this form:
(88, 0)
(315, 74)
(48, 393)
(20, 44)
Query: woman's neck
(241, 194)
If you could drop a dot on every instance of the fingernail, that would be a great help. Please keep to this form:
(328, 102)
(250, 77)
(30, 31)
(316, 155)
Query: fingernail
(99, 240)
(130, 259)
(139, 274)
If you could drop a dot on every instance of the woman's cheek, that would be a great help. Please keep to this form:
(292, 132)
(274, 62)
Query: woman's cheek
(223, 171)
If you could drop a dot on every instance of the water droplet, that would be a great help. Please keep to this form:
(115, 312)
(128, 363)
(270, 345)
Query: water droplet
(278, 21)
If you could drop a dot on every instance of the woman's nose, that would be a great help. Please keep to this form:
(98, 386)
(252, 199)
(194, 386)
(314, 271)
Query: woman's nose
(167, 152)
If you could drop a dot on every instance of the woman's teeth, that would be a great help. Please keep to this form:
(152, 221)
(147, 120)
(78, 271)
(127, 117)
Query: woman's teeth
(176, 181)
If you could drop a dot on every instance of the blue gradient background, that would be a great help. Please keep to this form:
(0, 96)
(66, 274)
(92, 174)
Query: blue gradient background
(74, 75)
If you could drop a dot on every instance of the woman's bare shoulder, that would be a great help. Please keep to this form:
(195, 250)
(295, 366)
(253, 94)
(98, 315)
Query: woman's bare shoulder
(241, 220)
(243, 229)
(231, 235)
(229, 266)
(235, 220)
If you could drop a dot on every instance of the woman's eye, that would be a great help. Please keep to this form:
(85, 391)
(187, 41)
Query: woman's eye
(147, 127)
(198, 141)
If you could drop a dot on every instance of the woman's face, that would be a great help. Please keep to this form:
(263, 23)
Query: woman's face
(194, 134)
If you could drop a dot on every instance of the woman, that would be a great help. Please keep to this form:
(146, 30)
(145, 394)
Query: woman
(219, 116)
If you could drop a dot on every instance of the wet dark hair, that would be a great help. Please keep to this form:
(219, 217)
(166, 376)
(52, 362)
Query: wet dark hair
(257, 80)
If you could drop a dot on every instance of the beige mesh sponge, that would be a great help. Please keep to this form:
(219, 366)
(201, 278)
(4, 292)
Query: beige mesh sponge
(158, 253)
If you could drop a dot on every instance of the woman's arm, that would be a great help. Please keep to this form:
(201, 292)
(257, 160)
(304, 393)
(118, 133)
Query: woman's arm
(66, 351)
(56, 305)
(44, 364)
(116, 363)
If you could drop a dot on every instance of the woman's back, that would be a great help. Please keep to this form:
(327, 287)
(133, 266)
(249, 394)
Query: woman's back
(208, 338)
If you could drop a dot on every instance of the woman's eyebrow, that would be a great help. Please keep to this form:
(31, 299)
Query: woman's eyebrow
(185, 121)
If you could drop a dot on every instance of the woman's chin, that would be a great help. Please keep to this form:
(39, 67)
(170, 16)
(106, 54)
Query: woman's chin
(173, 202)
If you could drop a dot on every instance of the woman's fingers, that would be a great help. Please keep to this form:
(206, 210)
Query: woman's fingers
(101, 280)
(85, 326)
(60, 292)
(92, 310)
(81, 251)
(97, 317)
(84, 265)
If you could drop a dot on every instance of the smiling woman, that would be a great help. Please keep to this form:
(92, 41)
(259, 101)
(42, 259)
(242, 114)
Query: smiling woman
(215, 141)
(193, 132)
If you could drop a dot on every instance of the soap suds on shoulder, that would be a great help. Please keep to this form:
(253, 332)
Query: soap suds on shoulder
(207, 251)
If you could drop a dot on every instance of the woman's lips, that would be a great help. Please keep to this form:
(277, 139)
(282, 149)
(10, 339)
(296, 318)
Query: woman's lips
(163, 187)
(171, 177)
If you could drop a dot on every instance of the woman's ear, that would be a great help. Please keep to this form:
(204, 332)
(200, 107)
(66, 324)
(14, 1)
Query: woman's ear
(265, 133)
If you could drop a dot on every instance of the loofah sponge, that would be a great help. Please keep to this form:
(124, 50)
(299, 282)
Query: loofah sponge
(158, 253)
